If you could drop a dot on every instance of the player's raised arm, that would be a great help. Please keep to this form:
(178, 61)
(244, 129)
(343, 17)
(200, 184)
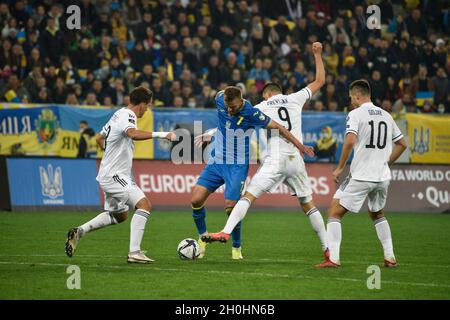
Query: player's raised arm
(320, 69)
(136, 134)
(290, 137)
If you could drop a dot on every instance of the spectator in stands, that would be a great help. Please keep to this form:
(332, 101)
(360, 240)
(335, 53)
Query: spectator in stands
(442, 88)
(59, 92)
(118, 40)
(415, 24)
(259, 75)
(86, 147)
(325, 148)
(318, 106)
(378, 87)
(43, 96)
(178, 102)
(206, 98)
(52, 42)
(91, 99)
(421, 82)
(14, 91)
(84, 56)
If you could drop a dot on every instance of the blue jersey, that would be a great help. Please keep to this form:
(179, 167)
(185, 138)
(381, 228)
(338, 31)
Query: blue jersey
(232, 140)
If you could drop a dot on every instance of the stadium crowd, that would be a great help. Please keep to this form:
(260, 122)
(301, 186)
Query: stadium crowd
(186, 50)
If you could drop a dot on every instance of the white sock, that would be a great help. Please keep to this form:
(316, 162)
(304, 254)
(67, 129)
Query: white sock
(102, 220)
(384, 234)
(137, 229)
(238, 213)
(318, 226)
(334, 235)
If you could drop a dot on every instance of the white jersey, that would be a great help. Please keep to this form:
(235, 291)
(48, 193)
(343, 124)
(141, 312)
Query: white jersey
(118, 156)
(287, 111)
(376, 132)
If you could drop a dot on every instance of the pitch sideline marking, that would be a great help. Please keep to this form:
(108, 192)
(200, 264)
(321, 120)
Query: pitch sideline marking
(263, 259)
(270, 275)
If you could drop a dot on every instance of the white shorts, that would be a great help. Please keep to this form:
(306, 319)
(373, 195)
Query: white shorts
(121, 194)
(288, 169)
(352, 194)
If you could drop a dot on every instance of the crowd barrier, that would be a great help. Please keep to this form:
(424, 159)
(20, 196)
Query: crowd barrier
(52, 183)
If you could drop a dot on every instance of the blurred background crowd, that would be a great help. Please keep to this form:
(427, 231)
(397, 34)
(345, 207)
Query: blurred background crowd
(185, 51)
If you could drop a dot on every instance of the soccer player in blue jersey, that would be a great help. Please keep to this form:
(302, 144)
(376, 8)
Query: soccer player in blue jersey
(229, 160)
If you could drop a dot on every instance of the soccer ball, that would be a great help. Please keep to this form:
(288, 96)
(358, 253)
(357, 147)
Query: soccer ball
(188, 249)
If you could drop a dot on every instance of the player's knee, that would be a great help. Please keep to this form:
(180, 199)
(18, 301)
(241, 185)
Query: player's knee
(376, 215)
(144, 204)
(121, 217)
(197, 202)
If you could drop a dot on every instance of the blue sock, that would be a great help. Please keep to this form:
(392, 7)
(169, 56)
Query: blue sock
(236, 235)
(199, 219)
(237, 232)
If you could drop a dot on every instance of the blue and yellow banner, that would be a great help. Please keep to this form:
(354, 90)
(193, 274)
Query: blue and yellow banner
(429, 138)
(53, 130)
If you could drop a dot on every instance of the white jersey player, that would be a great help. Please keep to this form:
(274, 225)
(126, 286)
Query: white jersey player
(115, 176)
(377, 142)
(283, 163)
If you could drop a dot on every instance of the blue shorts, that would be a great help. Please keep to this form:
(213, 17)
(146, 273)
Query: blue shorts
(232, 175)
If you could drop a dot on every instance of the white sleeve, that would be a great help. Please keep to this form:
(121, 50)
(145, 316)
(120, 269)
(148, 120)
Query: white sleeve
(126, 121)
(301, 96)
(352, 124)
(105, 130)
(396, 133)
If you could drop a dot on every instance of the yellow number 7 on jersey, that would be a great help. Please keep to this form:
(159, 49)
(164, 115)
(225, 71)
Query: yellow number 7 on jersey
(240, 120)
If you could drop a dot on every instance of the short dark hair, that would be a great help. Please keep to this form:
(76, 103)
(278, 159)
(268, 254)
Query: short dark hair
(231, 93)
(362, 86)
(272, 87)
(84, 122)
(140, 95)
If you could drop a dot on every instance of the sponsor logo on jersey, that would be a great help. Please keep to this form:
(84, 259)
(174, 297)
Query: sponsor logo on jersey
(132, 121)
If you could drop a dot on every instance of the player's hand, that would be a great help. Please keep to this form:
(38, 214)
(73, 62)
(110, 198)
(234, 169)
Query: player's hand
(171, 136)
(317, 48)
(202, 138)
(336, 173)
(308, 150)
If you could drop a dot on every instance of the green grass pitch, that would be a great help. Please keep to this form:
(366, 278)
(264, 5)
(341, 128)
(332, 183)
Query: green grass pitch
(279, 250)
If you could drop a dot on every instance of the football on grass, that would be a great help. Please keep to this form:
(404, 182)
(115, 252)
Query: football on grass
(188, 249)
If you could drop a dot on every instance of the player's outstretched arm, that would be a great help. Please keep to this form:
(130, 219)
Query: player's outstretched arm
(399, 147)
(205, 137)
(290, 137)
(320, 69)
(136, 134)
(347, 147)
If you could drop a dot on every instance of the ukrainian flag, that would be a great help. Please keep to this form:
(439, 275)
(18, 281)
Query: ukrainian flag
(11, 96)
(21, 36)
(422, 96)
